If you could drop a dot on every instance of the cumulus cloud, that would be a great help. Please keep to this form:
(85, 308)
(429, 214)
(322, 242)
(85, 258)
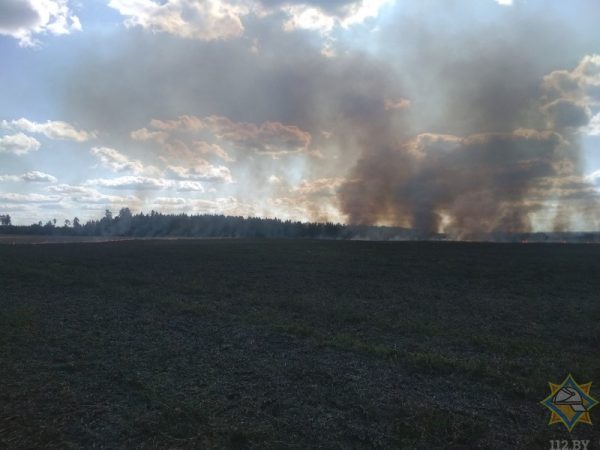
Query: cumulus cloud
(118, 162)
(205, 20)
(210, 20)
(68, 189)
(18, 144)
(50, 129)
(330, 6)
(178, 146)
(28, 198)
(220, 205)
(30, 177)
(131, 182)
(594, 126)
(325, 16)
(268, 138)
(206, 149)
(594, 178)
(143, 134)
(24, 20)
(320, 186)
(189, 186)
(149, 176)
(94, 197)
(571, 95)
(87, 195)
(202, 170)
(145, 183)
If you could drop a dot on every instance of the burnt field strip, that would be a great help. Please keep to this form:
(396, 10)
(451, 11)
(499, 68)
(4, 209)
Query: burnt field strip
(293, 344)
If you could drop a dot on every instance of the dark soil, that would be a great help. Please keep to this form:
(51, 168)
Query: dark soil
(293, 344)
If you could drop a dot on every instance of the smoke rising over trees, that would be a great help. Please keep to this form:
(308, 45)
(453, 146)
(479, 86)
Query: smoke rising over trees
(157, 225)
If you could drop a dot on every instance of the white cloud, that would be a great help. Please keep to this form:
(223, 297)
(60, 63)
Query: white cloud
(50, 129)
(189, 186)
(319, 187)
(89, 195)
(505, 2)
(307, 17)
(593, 178)
(594, 126)
(143, 134)
(150, 176)
(204, 20)
(29, 198)
(222, 205)
(10, 177)
(207, 149)
(209, 20)
(68, 189)
(269, 138)
(202, 170)
(118, 162)
(93, 197)
(131, 182)
(30, 177)
(274, 179)
(580, 85)
(18, 144)
(38, 177)
(146, 183)
(24, 19)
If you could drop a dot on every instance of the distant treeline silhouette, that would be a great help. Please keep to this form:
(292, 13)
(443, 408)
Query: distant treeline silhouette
(156, 224)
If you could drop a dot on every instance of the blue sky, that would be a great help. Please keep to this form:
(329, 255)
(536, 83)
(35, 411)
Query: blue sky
(457, 116)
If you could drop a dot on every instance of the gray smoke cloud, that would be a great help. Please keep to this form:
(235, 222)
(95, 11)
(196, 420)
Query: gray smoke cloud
(468, 131)
(493, 141)
(480, 183)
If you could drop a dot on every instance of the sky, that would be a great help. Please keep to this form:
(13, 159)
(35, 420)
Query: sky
(461, 116)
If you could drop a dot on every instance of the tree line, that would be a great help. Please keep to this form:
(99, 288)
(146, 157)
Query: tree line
(156, 224)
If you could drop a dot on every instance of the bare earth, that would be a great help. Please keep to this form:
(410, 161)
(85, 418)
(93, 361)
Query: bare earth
(293, 343)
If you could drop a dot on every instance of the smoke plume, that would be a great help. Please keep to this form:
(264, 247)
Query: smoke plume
(504, 146)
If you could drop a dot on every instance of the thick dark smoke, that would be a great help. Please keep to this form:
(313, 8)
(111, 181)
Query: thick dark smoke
(480, 183)
(493, 142)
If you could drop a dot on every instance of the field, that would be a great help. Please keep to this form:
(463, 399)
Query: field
(293, 344)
